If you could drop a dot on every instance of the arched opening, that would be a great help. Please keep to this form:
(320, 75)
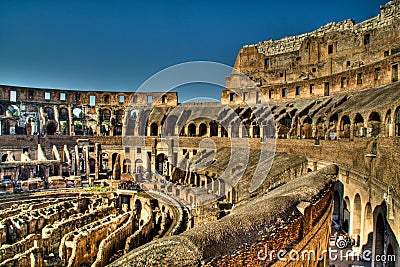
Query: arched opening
(359, 130)
(346, 214)
(119, 120)
(49, 113)
(356, 225)
(192, 129)
(336, 206)
(390, 256)
(2, 112)
(126, 168)
(154, 129)
(162, 164)
(256, 131)
(213, 128)
(51, 128)
(368, 227)
(284, 126)
(345, 127)
(397, 122)
(114, 160)
(139, 166)
(307, 128)
(202, 129)
(105, 123)
(77, 121)
(379, 236)
(374, 124)
(63, 118)
(388, 122)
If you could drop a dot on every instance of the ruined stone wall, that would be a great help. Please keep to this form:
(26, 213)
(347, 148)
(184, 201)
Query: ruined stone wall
(245, 227)
(340, 49)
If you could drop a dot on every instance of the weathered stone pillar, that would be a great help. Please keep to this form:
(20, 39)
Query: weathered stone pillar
(98, 126)
(251, 132)
(56, 117)
(219, 130)
(71, 127)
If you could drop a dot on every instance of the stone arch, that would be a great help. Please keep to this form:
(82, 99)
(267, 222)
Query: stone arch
(345, 127)
(306, 131)
(374, 124)
(191, 129)
(49, 113)
(388, 123)
(77, 115)
(139, 166)
(154, 129)
(162, 164)
(202, 129)
(346, 214)
(379, 236)
(359, 130)
(224, 132)
(368, 227)
(213, 128)
(63, 117)
(356, 223)
(256, 131)
(397, 122)
(126, 167)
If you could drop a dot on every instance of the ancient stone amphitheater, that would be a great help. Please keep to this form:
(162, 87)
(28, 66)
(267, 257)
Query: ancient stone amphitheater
(306, 136)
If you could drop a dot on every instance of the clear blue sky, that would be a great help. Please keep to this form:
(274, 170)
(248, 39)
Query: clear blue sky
(117, 45)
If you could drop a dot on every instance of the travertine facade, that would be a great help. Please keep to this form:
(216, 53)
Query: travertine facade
(321, 135)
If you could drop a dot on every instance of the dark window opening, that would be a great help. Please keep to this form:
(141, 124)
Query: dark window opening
(267, 62)
(386, 53)
(395, 73)
(348, 63)
(134, 99)
(367, 39)
(298, 90)
(281, 74)
(271, 94)
(77, 97)
(314, 69)
(164, 99)
(194, 151)
(343, 82)
(138, 150)
(298, 58)
(311, 89)
(330, 49)
(31, 94)
(377, 73)
(246, 96)
(231, 97)
(359, 78)
(284, 92)
(127, 150)
(327, 89)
